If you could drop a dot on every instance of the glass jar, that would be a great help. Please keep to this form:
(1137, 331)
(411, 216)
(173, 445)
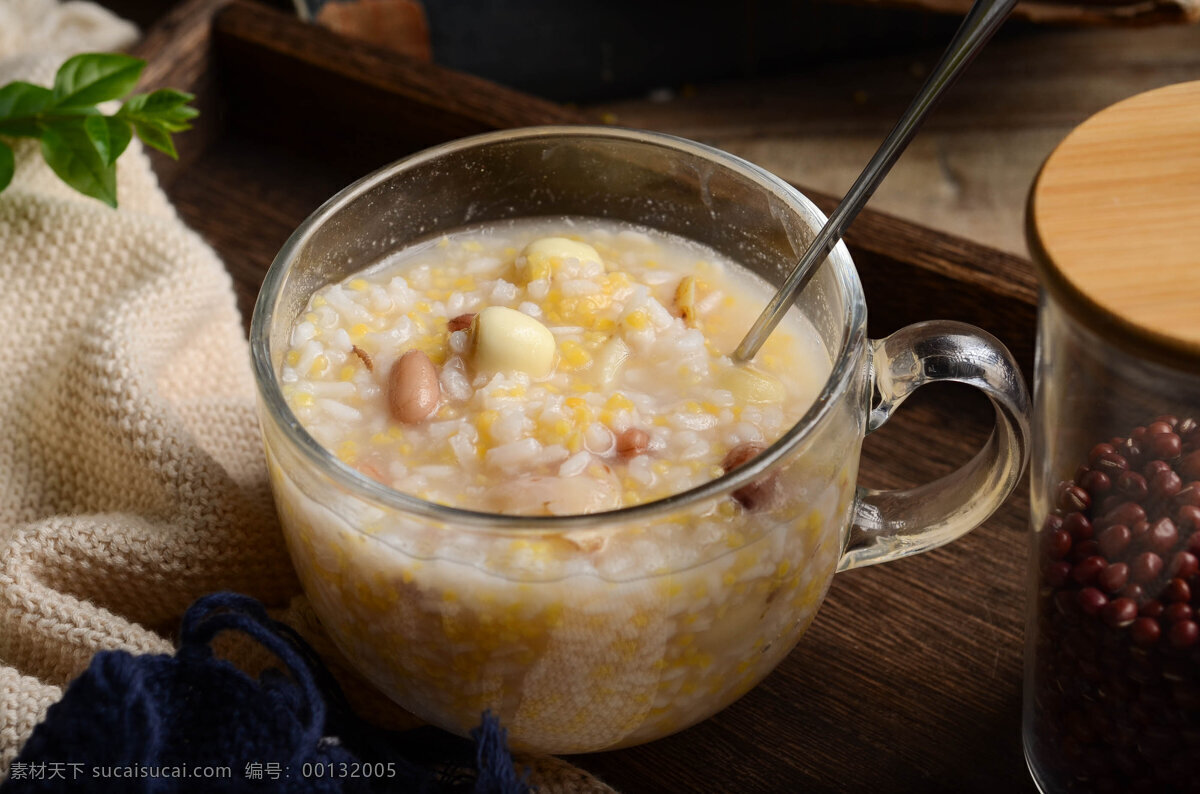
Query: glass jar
(1112, 684)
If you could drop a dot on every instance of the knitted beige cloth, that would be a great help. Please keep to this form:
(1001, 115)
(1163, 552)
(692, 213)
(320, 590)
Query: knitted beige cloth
(132, 478)
(66, 28)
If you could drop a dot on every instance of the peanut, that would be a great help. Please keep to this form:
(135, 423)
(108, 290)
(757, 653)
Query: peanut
(763, 493)
(412, 388)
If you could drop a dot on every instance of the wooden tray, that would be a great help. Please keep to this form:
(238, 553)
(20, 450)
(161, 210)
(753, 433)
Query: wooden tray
(1133, 13)
(910, 678)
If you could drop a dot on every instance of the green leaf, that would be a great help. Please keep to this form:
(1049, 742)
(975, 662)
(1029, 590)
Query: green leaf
(165, 108)
(157, 101)
(109, 135)
(120, 132)
(7, 165)
(158, 138)
(72, 154)
(19, 102)
(23, 99)
(95, 77)
(96, 131)
(79, 143)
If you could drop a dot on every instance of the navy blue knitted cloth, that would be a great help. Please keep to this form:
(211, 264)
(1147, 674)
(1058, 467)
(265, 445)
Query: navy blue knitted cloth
(195, 723)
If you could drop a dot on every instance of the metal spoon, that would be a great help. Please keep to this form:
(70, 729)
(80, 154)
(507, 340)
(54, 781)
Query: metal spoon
(984, 18)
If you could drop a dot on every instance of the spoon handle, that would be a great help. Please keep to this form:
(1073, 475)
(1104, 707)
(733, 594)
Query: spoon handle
(984, 18)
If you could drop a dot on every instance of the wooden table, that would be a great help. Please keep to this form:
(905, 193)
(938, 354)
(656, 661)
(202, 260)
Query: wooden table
(969, 170)
(910, 678)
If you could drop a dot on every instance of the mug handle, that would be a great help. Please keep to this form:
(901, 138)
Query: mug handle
(888, 525)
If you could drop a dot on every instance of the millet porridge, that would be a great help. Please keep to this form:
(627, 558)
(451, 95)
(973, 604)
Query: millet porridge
(557, 367)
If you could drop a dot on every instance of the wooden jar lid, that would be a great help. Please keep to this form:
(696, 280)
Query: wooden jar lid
(1114, 224)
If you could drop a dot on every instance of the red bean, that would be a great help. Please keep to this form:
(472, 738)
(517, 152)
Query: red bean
(1188, 495)
(1145, 631)
(741, 455)
(1100, 450)
(1058, 544)
(1097, 483)
(1132, 484)
(1121, 589)
(1177, 590)
(1113, 541)
(461, 322)
(1189, 465)
(1119, 613)
(1113, 577)
(1092, 600)
(1078, 525)
(760, 494)
(1086, 571)
(1073, 497)
(1184, 565)
(634, 441)
(1127, 513)
(1135, 591)
(1163, 536)
(1151, 609)
(1146, 567)
(1084, 549)
(1057, 573)
(1159, 426)
(1184, 634)
(1177, 612)
(1131, 449)
(1165, 484)
(1155, 467)
(1188, 519)
(1166, 445)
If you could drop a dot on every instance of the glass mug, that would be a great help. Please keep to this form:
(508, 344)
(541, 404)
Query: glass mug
(601, 631)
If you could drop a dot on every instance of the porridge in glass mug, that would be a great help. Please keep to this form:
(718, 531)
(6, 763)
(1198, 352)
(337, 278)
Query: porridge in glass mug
(518, 469)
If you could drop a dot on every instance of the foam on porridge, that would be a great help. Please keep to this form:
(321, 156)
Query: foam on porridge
(642, 401)
(585, 640)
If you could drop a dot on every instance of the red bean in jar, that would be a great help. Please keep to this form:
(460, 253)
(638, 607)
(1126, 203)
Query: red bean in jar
(1116, 659)
(1112, 685)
